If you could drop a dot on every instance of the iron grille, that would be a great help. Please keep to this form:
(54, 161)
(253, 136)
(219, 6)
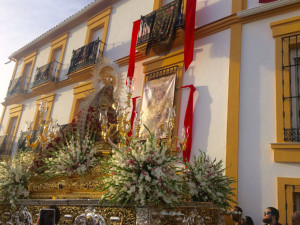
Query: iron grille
(15, 87)
(291, 87)
(84, 56)
(45, 73)
(162, 73)
(293, 204)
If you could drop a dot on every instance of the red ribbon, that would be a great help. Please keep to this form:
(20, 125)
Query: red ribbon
(132, 114)
(135, 31)
(265, 1)
(188, 123)
(189, 33)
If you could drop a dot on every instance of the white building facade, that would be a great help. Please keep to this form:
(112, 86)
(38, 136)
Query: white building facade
(243, 112)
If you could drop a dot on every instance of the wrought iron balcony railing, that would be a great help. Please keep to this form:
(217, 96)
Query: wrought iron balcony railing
(147, 21)
(45, 73)
(15, 87)
(84, 56)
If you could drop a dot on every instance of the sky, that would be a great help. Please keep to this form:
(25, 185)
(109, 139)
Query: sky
(24, 20)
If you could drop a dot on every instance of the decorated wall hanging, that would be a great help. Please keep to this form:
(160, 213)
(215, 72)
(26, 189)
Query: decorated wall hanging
(162, 23)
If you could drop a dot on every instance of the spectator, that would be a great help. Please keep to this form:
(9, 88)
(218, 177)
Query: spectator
(296, 218)
(247, 221)
(236, 215)
(271, 216)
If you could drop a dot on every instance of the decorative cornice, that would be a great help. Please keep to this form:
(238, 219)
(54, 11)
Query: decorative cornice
(265, 8)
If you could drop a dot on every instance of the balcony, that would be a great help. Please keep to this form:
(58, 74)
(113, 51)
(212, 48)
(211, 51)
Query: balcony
(164, 25)
(15, 87)
(84, 56)
(45, 74)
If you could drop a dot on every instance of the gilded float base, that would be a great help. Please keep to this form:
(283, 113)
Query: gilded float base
(190, 213)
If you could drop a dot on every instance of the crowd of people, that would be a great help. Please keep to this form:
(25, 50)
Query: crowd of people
(270, 217)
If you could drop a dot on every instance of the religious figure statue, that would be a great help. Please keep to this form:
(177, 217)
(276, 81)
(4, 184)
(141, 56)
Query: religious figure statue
(107, 81)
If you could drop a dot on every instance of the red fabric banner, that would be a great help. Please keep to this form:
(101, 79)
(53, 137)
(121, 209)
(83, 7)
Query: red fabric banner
(189, 32)
(265, 1)
(135, 31)
(188, 123)
(132, 114)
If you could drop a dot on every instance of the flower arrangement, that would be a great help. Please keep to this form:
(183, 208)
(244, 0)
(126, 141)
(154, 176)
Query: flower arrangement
(14, 177)
(76, 156)
(142, 173)
(207, 183)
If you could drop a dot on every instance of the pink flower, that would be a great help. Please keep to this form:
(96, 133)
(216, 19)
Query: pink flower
(113, 173)
(144, 172)
(131, 162)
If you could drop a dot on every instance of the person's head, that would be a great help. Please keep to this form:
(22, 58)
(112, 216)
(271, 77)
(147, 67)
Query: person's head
(271, 215)
(57, 213)
(159, 92)
(237, 214)
(248, 221)
(296, 218)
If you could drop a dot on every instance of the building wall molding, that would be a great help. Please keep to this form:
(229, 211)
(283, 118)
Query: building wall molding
(265, 7)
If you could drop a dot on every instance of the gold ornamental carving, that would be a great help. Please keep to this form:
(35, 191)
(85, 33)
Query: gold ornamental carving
(193, 212)
(66, 187)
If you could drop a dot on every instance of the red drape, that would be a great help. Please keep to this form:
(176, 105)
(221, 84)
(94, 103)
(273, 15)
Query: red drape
(135, 31)
(189, 33)
(188, 123)
(266, 1)
(132, 114)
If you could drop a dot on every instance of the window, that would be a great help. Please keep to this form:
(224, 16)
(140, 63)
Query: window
(297, 200)
(288, 191)
(49, 105)
(10, 132)
(12, 127)
(291, 88)
(159, 3)
(80, 92)
(287, 44)
(58, 47)
(97, 28)
(26, 75)
(27, 70)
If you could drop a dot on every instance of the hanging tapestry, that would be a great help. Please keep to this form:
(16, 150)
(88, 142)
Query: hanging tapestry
(44, 73)
(158, 98)
(162, 25)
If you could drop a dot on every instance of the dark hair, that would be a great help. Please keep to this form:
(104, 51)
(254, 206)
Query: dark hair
(57, 213)
(238, 208)
(249, 220)
(274, 212)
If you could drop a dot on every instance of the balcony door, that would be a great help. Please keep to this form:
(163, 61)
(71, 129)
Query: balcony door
(10, 134)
